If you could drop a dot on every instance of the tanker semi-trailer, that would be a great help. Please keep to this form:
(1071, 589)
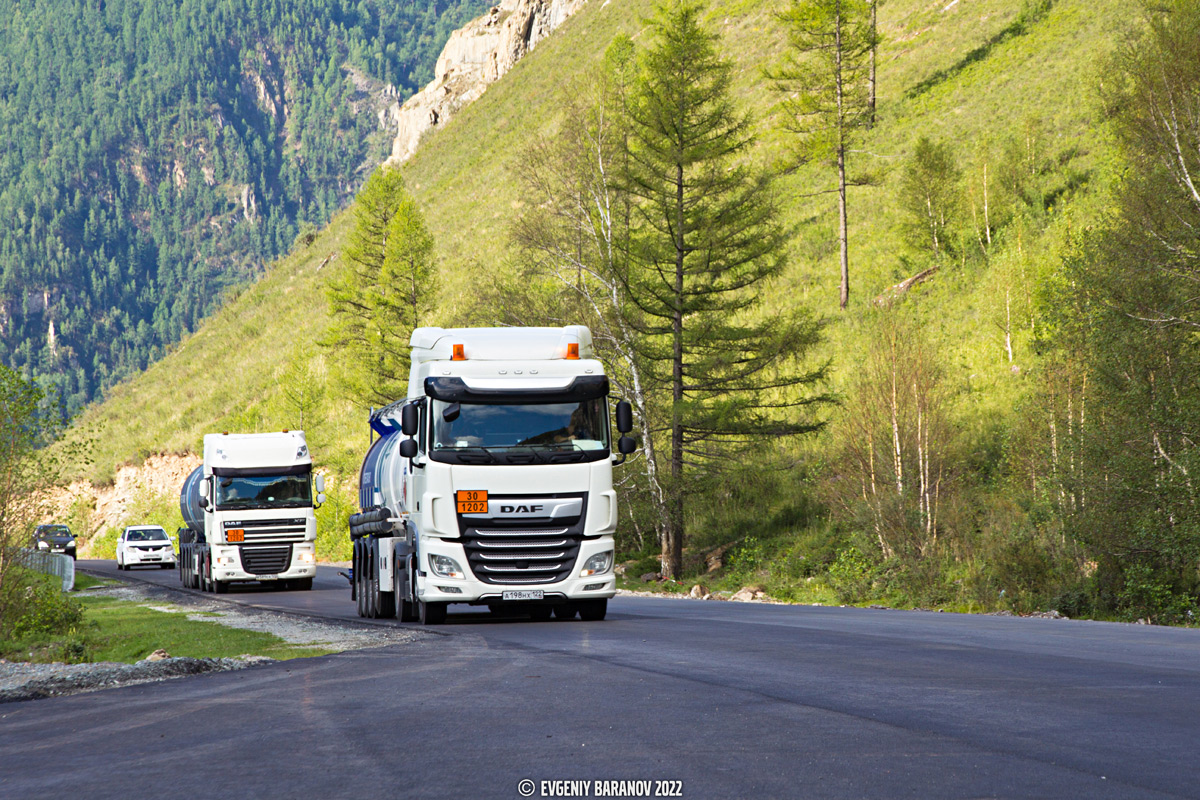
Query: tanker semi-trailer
(249, 513)
(491, 484)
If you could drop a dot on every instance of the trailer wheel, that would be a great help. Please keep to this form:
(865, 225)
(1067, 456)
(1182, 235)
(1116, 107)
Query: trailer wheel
(360, 570)
(593, 610)
(371, 584)
(432, 613)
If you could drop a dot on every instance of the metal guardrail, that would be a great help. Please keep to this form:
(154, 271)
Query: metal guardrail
(51, 564)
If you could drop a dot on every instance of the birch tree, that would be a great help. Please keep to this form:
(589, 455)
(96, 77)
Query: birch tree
(575, 232)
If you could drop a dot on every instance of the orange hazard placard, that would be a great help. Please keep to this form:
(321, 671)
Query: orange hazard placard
(471, 501)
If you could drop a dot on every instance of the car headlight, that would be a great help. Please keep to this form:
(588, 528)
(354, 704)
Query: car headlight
(43, 545)
(445, 567)
(597, 564)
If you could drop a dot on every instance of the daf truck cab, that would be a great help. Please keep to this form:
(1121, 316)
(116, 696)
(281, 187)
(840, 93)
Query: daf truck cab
(491, 483)
(249, 512)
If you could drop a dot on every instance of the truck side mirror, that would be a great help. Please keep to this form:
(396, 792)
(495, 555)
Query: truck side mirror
(626, 445)
(410, 420)
(408, 448)
(624, 419)
(319, 482)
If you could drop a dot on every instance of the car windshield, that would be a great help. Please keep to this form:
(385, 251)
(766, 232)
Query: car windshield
(508, 428)
(54, 530)
(146, 535)
(263, 491)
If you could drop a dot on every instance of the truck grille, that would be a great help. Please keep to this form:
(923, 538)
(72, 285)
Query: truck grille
(266, 559)
(271, 530)
(526, 551)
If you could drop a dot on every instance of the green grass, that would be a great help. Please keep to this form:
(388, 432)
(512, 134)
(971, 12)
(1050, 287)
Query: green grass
(125, 631)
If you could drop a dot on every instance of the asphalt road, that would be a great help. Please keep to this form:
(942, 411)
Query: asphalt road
(732, 700)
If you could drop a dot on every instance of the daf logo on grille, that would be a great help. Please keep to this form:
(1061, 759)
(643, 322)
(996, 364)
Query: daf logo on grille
(532, 508)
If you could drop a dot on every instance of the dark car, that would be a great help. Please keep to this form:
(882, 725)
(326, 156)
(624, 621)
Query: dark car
(54, 539)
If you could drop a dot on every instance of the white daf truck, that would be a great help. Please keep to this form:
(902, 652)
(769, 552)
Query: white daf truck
(249, 513)
(491, 483)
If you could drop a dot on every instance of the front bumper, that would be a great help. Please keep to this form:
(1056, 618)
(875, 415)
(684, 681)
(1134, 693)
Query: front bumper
(437, 589)
(135, 558)
(227, 564)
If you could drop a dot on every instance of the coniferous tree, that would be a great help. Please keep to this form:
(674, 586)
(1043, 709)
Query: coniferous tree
(826, 81)
(705, 247)
(385, 288)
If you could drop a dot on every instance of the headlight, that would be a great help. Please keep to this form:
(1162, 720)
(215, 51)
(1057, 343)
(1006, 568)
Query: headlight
(226, 560)
(43, 545)
(597, 564)
(445, 567)
(304, 557)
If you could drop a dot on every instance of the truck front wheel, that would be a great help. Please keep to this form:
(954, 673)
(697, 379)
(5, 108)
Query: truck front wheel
(432, 613)
(593, 610)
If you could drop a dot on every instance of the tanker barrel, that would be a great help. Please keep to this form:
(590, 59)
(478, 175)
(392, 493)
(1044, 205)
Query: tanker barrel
(189, 502)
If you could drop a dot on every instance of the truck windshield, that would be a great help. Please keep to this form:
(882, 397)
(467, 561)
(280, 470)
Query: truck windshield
(506, 433)
(263, 491)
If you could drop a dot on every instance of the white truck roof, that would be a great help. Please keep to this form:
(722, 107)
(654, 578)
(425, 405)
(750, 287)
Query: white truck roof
(255, 450)
(500, 344)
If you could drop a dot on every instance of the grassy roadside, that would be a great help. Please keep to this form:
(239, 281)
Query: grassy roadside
(128, 631)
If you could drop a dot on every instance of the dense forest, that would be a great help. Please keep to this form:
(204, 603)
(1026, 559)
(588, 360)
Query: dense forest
(154, 155)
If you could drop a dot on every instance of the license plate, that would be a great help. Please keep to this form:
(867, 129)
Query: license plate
(267, 577)
(471, 501)
(522, 594)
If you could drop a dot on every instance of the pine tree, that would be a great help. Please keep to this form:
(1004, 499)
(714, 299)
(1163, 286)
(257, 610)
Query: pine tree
(827, 84)
(386, 286)
(705, 246)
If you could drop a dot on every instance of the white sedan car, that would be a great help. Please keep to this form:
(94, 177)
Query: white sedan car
(145, 545)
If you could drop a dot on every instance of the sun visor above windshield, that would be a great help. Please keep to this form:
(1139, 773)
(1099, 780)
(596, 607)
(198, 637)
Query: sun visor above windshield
(250, 472)
(578, 389)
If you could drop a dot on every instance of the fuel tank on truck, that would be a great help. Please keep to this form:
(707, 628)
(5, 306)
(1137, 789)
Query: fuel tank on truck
(381, 482)
(189, 502)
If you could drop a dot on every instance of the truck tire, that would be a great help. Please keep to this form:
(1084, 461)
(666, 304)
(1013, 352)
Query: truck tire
(303, 584)
(565, 611)
(593, 610)
(540, 613)
(220, 587)
(432, 613)
(371, 584)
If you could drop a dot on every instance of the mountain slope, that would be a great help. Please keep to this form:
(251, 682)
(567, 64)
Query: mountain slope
(985, 76)
(156, 154)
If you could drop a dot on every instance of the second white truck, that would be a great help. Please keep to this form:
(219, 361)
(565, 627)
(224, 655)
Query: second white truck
(491, 483)
(250, 513)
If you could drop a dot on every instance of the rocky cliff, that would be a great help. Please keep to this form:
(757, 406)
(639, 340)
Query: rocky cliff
(476, 56)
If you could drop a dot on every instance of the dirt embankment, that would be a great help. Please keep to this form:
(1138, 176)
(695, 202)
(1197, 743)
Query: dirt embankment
(94, 508)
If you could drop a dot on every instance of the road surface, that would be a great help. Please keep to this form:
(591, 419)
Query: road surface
(710, 699)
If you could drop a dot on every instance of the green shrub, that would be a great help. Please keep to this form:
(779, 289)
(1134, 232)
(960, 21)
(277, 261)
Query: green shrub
(851, 576)
(43, 608)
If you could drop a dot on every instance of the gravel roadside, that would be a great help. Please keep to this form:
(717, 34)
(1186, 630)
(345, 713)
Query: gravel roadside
(26, 681)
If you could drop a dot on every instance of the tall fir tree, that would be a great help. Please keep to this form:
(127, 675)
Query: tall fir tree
(386, 286)
(827, 82)
(705, 247)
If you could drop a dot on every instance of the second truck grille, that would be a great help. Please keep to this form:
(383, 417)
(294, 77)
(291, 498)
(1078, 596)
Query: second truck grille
(266, 559)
